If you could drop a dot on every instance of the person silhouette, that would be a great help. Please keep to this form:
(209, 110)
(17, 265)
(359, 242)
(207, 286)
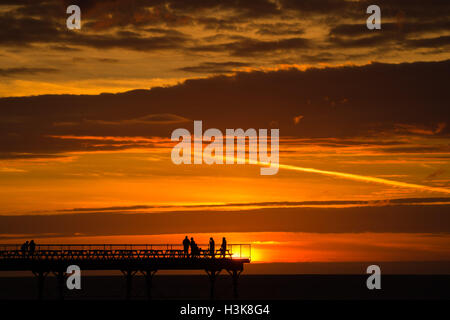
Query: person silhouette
(211, 247)
(24, 247)
(186, 244)
(32, 247)
(193, 248)
(223, 248)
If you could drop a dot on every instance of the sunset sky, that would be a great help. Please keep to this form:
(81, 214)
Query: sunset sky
(364, 120)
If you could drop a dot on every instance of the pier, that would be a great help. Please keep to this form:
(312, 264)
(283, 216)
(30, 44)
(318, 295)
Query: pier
(145, 259)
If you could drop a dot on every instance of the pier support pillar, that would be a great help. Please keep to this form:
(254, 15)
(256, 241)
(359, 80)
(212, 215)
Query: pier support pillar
(235, 277)
(148, 281)
(212, 274)
(60, 277)
(40, 275)
(128, 274)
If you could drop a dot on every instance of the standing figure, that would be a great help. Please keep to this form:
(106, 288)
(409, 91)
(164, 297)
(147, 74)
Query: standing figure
(32, 247)
(223, 248)
(24, 248)
(186, 244)
(193, 248)
(211, 247)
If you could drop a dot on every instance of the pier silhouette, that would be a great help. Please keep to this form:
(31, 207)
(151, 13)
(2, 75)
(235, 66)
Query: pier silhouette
(129, 259)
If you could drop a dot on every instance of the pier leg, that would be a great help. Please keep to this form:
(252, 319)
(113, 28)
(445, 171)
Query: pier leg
(212, 274)
(148, 281)
(129, 282)
(60, 277)
(40, 275)
(235, 276)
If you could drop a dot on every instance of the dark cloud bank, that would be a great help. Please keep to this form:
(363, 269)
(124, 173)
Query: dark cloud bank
(342, 102)
(395, 218)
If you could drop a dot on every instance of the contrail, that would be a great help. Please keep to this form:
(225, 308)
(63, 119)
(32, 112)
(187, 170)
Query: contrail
(351, 176)
(356, 177)
(362, 178)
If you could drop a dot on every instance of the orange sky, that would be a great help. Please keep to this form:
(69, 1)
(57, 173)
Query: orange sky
(363, 118)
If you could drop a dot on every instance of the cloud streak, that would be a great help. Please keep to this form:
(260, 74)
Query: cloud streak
(364, 178)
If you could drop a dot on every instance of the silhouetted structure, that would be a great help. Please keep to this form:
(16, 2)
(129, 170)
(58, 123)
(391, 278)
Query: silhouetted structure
(223, 247)
(212, 247)
(129, 259)
(195, 250)
(31, 247)
(186, 244)
(24, 248)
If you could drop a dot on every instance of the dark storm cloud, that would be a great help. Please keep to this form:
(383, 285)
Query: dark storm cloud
(249, 47)
(42, 22)
(325, 57)
(218, 24)
(110, 14)
(408, 27)
(147, 119)
(10, 72)
(254, 8)
(25, 31)
(28, 31)
(376, 40)
(343, 102)
(402, 9)
(263, 8)
(395, 218)
(64, 48)
(166, 32)
(107, 60)
(129, 209)
(316, 6)
(278, 29)
(215, 67)
(417, 10)
(421, 150)
(401, 34)
(28, 156)
(129, 42)
(435, 42)
(358, 30)
(248, 9)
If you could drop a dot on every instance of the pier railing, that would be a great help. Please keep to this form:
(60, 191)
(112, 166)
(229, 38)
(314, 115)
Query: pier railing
(121, 251)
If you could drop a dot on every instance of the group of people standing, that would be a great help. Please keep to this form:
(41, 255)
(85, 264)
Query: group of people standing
(195, 250)
(28, 247)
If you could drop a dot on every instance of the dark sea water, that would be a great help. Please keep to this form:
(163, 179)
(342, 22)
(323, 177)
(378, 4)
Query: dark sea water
(251, 287)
